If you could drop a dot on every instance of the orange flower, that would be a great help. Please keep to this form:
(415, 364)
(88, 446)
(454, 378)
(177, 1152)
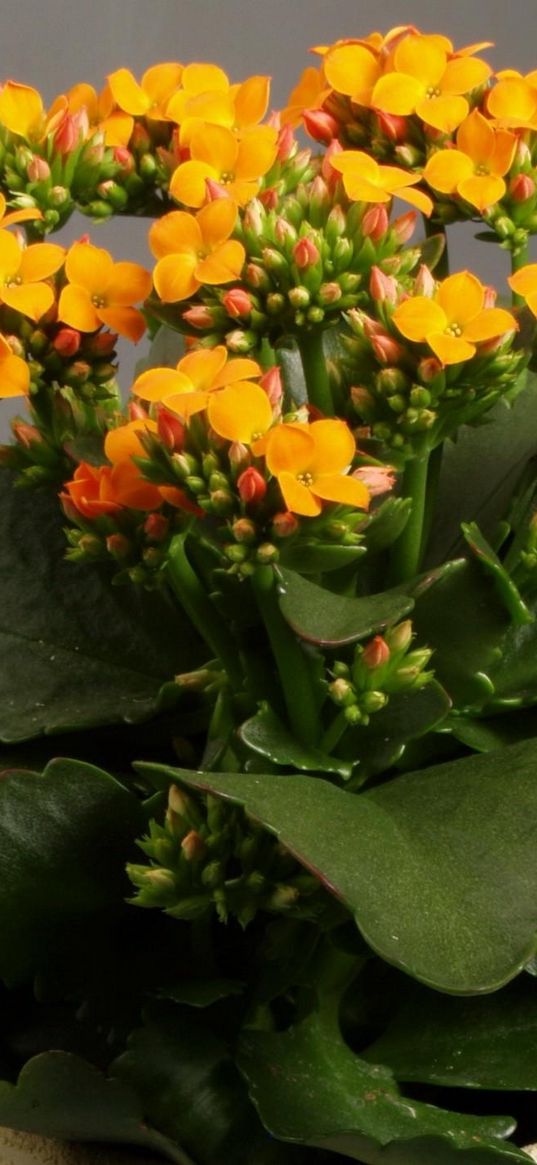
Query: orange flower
(195, 249)
(475, 170)
(105, 489)
(236, 162)
(365, 181)
(310, 93)
(14, 373)
(512, 101)
(103, 292)
(124, 442)
(455, 320)
(524, 283)
(186, 389)
(242, 412)
(101, 111)
(207, 96)
(353, 69)
(22, 270)
(150, 98)
(311, 463)
(426, 82)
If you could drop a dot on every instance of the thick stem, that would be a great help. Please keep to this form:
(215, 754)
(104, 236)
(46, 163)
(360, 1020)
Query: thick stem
(407, 551)
(334, 733)
(519, 258)
(316, 371)
(433, 478)
(290, 659)
(192, 597)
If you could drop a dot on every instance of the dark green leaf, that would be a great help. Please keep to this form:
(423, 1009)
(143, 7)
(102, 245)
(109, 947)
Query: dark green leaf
(294, 383)
(319, 616)
(65, 836)
(407, 716)
(75, 652)
(486, 1042)
(203, 992)
(505, 587)
(437, 866)
(316, 558)
(309, 1087)
(265, 734)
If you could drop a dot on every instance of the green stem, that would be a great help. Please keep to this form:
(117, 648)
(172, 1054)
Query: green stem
(316, 371)
(407, 551)
(519, 258)
(197, 605)
(334, 733)
(291, 661)
(433, 478)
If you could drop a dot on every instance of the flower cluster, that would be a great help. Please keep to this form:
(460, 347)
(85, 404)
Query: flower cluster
(380, 669)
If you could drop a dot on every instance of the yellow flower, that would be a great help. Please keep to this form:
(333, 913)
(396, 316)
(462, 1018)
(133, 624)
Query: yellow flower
(310, 93)
(524, 283)
(207, 96)
(22, 272)
(513, 100)
(311, 463)
(237, 162)
(103, 292)
(353, 69)
(476, 169)
(365, 181)
(14, 372)
(186, 389)
(455, 320)
(195, 249)
(242, 412)
(21, 110)
(149, 98)
(124, 442)
(426, 82)
(101, 110)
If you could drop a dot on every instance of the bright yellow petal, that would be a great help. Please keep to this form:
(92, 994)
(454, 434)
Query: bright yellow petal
(39, 261)
(238, 368)
(352, 69)
(482, 191)
(156, 384)
(201, 78)
(398, 93)
(290, 449)
(204, 366)
(14, 216)
(176, 231)
(127, 93)
(216, 221)
(187, 183)
(242, 191)
(450, 349)
(348, 491)
(124, 442)
(362, 190)
(475, 137)
(251, 101)
(257, 152)
(443, 113)
(126, 320)
(160, 81)
(82, 96)
(241, 412)
(298, 497)
(417, 198)
(418, 316)
(461, 297)
(524, 282)
(421, 57)
(187, 404)
(14, 376)
(463, 74)
(89, 267)
(334, 447)
(32, 299)
(446, 169)
(356, 163)
(216, 146)
(224, 264)
(512, 100)
(21, 109)
(501, 160)
(10, 256)
(76, 309)
(127, 284)
(491, 322)
(117, 128)
(174, 276)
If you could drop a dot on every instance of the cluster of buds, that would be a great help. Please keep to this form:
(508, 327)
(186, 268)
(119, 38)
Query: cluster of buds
(134, 541)
(462, 356)
(208, 856)
(383, 667)
(307, 259)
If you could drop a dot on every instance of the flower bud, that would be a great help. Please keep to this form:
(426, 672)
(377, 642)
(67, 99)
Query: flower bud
(283, 231)
(67, 342)
(382, 288)
(238, 456)
(284, 525)
(267, 553)
(193, 846)
(378, 479)
(320, 125)
(286, 143)
(386, 349)
(244, 530)
(521, 188)
(271, 383)
(252, 486)
(38, 170)
(257, 277)
(376, 653)
(522, 154)
(342, 692)
(362, 399)
(404, 226)
(241, 341)
(124, 158)
(26, 435)
(237, 303)
(170, 430)
(214, 190)
(428, 369)
(329, 294)
(67, 135)
(156, 527)
(424, 283)
(375, 223)
(305, 253)
(58, 196)
(392, 126)
(199, 317)
(398, 638)
(118, 546)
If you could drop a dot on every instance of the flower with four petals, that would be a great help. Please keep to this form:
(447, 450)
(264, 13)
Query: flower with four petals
(454, 320)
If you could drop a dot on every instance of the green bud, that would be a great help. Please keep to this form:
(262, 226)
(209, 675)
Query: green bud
(267, 553)
(236, 552)
(210, 464)
(299, 297)
(222, 502)
(373, 701)
(275, 303)
(315, 314)
(342, 254)
(342, 692)
(341, 670)
(213, 875)
(196, 485)
(283, 898)
(353, 715)
(218, 480)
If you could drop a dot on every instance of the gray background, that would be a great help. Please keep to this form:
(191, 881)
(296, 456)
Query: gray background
(55, 43)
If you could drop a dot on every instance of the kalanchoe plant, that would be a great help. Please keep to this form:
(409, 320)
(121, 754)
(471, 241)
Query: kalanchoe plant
(279, 606)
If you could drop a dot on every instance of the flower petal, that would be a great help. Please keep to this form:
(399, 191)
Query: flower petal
(117, 128)
(356, 163)
(224, 264)
(126, 320)
(216, 221)
(443, 113)
(450, 349)
(128, 284)
(352, 69)
(524, 281)
(290, 449)
(421, 57)
(130, 489)
(398, 93)
(491, 322)
(204, 367)
(501, 160)
(174, 277)
(200, 78)
(298, 497)
(238, 368)
(256, 152)
(475, 137)
(462, 74)
(76, 309)
(124, 442)
(14, 377)
(176, 230)
(187, 404)
(482, 191)
(160, 81)
(21, 109)
(241, 412)
(32, 299)
(251, 101)
(335, 446)
(216, 146)
(461, 297)
(418, 199)
(418, 316)
(156, 384)
(187, 184)
(513, 101)
(446, 169)
(10, 256)
(89, 267)
(127, 93)
(336, 487)
(39, 261)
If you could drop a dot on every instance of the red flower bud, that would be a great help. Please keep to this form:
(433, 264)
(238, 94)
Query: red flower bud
(376, 652)
(284, 525)
(286, 143)
(198, 317)
(393, 127)
(38, 169)
(101, 344)
(252, 486)
(137, 411)
(375, 222)
(491, 296)
(170, 430)
(140, 140)
(156, 527)
(382, 288)
(521, 188)
(71, 129)
(124, 158)
(386, 349)
(271, 383)
(428, 369)
(283, 231)
(320, 125)
(424, 283)
(404, 226)
(214, 190)
(269, 198)
(118, 545)
(67, 342)
(329, 174)
(237, 303)
(305, 253)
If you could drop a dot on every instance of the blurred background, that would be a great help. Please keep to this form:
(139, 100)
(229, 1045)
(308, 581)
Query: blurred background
(54, 44)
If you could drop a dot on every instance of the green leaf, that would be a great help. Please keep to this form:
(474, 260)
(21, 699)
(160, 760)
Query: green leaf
(505, 587)
(75, 652)
(309, 1087)
(167, 348)
(294, 383)
(265, 734)
(438, 866)
(321, 617)
(60, 1095)
(203, 992)
(486, 1042)
(65, 836)
(316, 558)
(406, 717)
